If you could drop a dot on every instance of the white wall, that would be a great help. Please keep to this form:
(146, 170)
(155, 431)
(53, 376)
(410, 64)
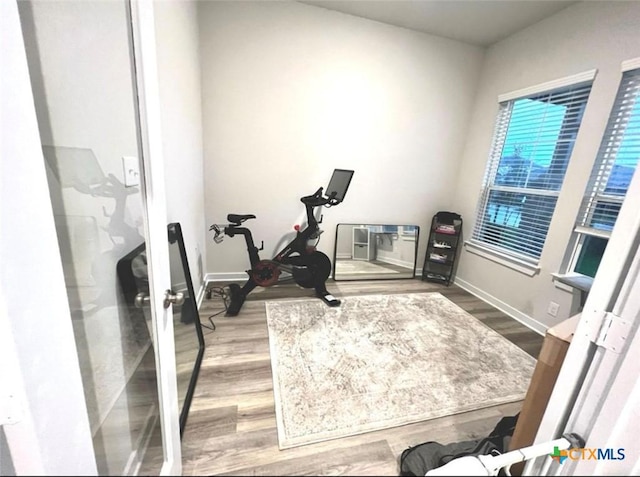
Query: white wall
(292, 91)
(397, 250)
(588, 35)
(181, 102)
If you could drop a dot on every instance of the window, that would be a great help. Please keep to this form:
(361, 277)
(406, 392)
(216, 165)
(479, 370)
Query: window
(409, 230)
(533, 140)
(610, 178)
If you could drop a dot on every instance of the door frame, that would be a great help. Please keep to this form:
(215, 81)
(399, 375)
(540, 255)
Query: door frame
(598, 363)
(155, 215)
(45, 436)
(42, 409)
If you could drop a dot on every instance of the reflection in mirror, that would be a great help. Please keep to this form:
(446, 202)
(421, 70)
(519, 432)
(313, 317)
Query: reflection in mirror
(189, 341)
(375, 251)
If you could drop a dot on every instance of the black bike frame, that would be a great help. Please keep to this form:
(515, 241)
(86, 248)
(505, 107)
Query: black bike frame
(309, 268)
(298, 244)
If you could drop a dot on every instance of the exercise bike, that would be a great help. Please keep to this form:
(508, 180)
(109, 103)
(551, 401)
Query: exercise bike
(308, 267)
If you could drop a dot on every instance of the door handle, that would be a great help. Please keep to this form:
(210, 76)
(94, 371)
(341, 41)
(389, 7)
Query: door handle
(141, 300)
(177, 299)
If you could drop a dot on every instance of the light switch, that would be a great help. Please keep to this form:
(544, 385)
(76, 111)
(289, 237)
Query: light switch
(131, 171)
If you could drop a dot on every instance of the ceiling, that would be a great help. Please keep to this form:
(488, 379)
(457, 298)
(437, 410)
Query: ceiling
(479, 22)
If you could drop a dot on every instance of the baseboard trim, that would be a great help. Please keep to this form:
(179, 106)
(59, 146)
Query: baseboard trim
(507, 309)
(225, 277)
(200, 294)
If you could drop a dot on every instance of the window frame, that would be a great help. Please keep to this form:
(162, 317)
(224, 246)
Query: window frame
(521, 262)
(594, 192)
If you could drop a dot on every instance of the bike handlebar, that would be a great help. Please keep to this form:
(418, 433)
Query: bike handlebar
(316, 199)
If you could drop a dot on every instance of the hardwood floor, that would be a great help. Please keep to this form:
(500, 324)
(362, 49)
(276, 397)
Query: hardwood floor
(231, 428)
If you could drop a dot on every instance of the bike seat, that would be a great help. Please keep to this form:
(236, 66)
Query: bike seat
(237, 219)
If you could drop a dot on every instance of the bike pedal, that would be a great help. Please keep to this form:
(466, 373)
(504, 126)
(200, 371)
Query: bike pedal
(329, 299)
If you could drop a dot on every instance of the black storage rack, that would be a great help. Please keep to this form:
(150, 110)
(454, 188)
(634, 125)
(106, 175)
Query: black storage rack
(442, 247)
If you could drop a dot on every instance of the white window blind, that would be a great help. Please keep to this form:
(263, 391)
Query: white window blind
(615, 163)
(532, 144)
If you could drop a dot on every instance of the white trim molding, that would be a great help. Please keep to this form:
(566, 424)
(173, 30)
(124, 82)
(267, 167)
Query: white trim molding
(505, 308)
(514, 263)
(631, 64)
(147, 91)
(549, 85)
(225, 277)
(560, 285)
(200, 294)
(242, 277)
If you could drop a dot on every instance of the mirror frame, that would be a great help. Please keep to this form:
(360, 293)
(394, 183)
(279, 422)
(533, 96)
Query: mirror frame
(184, 412)
(130, 289)
(382, 226)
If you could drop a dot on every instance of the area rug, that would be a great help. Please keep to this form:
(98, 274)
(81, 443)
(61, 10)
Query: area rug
(383, 361)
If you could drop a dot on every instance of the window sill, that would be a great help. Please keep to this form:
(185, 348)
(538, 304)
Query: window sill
(578, 284)
(572, 281)
(560, 285)
(508, 261)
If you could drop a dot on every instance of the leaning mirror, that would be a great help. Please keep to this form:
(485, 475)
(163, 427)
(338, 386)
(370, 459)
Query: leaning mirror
(375, 251)
(188, 337)
(189, 340)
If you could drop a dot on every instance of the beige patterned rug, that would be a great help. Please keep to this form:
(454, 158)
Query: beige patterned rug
(383, 361)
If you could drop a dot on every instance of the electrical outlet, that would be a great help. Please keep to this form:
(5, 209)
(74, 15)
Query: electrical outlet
(553, 308)
(131, 171)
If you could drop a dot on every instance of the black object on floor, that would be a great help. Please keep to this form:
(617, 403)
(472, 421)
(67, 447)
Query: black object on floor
(421, 458)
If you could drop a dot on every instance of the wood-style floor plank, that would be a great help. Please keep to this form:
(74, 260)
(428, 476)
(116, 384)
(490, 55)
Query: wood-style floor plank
(231, 429)
(371, 458)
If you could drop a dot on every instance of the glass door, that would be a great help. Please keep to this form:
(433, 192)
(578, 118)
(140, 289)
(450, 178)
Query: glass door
(92, 70)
